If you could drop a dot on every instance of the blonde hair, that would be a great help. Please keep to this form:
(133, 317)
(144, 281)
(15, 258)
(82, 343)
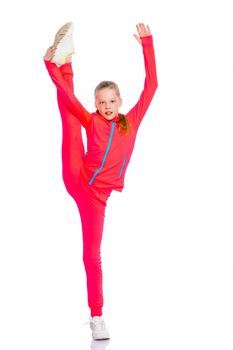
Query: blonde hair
(122, 123)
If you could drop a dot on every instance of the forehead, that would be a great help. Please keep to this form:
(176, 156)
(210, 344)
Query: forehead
(106, 93)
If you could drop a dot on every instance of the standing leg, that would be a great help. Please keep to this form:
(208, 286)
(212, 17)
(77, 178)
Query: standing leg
(72, 143)
(92, 213)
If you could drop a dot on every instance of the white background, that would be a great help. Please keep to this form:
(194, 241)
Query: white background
(167, 246)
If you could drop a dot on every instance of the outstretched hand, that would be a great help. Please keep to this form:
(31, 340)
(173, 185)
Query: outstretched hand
(143, 30)
(49, 53)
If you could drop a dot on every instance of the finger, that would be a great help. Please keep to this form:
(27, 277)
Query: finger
(148, 29)
(50, 50)
(137, 38)
(142, 29)
(142, 26)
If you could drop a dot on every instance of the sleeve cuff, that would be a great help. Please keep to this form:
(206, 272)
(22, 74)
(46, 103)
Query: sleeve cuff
(66, 68)
(49, 63)
(147, 41)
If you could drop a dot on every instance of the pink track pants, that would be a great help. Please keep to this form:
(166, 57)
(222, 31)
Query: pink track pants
(91, 201)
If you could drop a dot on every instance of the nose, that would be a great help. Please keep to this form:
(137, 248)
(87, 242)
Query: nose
(108, 105)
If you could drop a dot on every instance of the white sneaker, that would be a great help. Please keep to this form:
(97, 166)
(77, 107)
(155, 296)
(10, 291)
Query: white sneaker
(98, 327)
(63, 41)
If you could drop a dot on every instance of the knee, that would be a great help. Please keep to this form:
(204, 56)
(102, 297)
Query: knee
(70, 181)
(92, 258)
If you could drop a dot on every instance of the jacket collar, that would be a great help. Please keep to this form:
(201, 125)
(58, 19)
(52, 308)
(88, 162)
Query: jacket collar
(115, 119)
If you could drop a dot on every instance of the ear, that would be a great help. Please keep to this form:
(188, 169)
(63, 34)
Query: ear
(120, 102)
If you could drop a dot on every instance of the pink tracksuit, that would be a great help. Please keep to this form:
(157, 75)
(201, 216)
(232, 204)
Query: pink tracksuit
(89, 178)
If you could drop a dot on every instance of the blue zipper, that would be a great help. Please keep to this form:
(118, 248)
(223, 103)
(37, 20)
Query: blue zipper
(122, 167)
(105, 154)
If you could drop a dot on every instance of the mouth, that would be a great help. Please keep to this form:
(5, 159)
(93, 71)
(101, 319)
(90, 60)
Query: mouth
(108, 113)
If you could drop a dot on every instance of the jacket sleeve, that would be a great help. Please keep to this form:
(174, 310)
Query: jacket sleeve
(66, 92)
(136, 114)
(67, 74)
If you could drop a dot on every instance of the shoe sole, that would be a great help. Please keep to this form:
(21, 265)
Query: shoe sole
(104, 338)
(61, 33)
(99, 336)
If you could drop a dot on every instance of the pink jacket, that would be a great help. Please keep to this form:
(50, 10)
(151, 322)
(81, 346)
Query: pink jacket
(109, 152)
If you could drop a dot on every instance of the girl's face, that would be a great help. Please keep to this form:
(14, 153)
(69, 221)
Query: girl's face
(107, 103)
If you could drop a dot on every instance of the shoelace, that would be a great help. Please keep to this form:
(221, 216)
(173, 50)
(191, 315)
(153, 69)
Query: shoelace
(84, 324)
(97, 322)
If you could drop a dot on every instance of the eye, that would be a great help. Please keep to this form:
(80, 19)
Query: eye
(112, 101)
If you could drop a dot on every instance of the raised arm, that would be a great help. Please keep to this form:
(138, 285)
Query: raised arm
(65, 90)
(144, 37)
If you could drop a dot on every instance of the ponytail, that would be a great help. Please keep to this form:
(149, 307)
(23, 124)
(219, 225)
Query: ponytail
(123, 124)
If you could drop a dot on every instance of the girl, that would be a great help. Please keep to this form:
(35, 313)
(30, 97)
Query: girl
(90, 178)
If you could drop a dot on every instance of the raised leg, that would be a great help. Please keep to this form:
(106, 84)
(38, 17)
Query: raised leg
(72, 143)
